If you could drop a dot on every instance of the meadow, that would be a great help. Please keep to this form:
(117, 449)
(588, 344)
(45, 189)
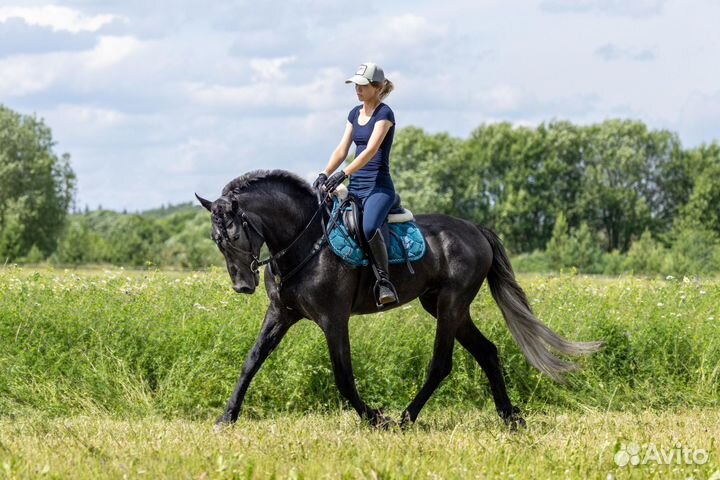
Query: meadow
(115, 373)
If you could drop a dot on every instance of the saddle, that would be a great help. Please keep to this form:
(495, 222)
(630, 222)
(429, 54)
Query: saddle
(345, 237)
(352, 216)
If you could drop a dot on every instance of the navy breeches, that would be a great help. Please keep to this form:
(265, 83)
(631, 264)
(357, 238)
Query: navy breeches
(375, 211)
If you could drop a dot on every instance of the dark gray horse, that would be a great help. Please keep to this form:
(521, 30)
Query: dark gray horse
(304, 279)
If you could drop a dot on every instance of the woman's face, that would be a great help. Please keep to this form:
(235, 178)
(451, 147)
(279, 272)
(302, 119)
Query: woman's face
(366, 92)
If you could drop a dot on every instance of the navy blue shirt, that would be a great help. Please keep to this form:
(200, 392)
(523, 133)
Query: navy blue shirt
(376, 173)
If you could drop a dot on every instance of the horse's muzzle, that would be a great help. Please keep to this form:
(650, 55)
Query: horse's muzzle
(243, 289)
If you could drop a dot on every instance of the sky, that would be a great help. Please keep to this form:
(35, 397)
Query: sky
(156, 100)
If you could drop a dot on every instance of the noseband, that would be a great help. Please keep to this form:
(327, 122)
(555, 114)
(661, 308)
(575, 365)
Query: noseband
(247, 224)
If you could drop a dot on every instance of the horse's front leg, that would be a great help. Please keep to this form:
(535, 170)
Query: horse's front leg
(336, 334)
(278, 321)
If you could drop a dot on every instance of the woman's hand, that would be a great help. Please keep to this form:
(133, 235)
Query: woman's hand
(319, 181)
(334, 181)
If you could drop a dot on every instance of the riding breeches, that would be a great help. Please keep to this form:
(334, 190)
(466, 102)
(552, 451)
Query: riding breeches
(376, 206)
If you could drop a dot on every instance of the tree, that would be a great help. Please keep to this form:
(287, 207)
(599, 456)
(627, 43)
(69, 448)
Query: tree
(135, 240)
(573, 247)
(621, 195)
(700, 211)
(36, 187)
(517, 180)
(421, 170)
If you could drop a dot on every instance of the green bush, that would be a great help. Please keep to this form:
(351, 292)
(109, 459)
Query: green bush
(574, 248)
(535, 262)
(646, 255)
(693, 252)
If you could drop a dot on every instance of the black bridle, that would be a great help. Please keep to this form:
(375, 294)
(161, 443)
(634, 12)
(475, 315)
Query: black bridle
(256, 262)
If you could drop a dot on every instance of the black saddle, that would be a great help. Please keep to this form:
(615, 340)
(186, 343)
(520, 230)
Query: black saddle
(351, 210)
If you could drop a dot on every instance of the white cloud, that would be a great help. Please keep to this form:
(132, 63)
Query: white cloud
(409, 30)
(109, 51)
(196, 154)
(28, 74)
(57, 18)
(22, 76)
(502, 98)
(317, 93)
(271, 68)
(89, 117)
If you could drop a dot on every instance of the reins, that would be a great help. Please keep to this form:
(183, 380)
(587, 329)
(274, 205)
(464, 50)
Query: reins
(256, 262)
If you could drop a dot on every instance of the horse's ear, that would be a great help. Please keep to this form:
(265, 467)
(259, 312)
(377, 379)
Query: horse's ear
(205, 203)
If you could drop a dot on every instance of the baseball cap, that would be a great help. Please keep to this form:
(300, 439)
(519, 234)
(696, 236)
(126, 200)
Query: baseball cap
(367, 72)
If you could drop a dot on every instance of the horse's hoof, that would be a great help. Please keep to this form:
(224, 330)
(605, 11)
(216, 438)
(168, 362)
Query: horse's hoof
(516, 423)
(378, 419)
(513, 419)
(406, 420)
(223, 423)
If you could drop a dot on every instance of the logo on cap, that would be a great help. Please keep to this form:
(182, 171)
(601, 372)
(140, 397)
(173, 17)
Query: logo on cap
(361, 69)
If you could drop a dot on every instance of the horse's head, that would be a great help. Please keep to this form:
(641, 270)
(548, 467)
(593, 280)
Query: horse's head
(238, 240)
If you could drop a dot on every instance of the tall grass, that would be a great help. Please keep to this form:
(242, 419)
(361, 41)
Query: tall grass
(156, 343)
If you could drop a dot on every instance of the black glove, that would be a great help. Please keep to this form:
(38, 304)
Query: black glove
(319, 181)
(335, 179)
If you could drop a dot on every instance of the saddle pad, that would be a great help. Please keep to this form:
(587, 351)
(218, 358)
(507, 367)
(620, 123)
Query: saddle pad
(347, 248)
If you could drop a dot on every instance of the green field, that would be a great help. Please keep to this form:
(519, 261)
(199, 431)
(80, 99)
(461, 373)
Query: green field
(115, 373)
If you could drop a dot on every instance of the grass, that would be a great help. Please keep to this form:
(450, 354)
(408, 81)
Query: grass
(446, 444)
(114, 373)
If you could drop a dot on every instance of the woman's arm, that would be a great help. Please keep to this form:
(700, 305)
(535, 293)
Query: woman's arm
(376, 138)
(341, 152)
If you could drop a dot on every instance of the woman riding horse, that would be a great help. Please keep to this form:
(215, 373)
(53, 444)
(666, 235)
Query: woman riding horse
(372, 127)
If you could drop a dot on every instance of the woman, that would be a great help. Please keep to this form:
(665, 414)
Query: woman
(372, 127)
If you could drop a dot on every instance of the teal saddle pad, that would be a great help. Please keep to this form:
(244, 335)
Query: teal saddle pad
(407, 243)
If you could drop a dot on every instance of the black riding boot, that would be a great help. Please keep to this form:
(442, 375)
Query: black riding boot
(384, 290)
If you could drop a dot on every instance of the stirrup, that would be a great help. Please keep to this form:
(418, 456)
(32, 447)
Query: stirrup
(376, 293)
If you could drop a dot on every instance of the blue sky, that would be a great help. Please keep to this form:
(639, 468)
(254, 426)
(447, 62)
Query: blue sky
(157, 100)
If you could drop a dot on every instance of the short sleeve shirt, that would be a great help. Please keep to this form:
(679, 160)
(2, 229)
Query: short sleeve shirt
(376, 173)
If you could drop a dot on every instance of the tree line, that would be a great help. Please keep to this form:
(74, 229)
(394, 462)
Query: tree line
(606, 198)
(569, 195)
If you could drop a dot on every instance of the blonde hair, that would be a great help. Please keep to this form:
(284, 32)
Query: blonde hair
(386, 86)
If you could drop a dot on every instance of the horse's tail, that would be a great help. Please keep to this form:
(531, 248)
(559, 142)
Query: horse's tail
(529, 332)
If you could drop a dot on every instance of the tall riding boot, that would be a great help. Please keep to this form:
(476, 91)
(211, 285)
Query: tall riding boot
(384, 290)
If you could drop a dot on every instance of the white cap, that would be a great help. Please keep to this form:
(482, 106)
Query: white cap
(367, 72)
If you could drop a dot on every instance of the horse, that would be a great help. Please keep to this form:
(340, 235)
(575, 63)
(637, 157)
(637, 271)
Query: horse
(305, 280)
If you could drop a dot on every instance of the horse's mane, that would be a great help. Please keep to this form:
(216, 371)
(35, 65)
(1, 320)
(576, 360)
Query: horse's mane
(278, 178)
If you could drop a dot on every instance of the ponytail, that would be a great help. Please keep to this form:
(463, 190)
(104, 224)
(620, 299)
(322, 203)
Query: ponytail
(385, 88)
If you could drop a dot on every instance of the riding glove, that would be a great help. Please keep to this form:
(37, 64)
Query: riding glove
(334, 181)
(320, 180)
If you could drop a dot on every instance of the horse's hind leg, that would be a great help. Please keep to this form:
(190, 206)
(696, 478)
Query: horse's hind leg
(441, 362)
(485, 352)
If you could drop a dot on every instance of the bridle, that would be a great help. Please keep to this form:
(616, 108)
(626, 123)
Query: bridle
(256, 262)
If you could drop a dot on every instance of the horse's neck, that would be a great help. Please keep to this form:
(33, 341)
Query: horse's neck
(283, 219)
